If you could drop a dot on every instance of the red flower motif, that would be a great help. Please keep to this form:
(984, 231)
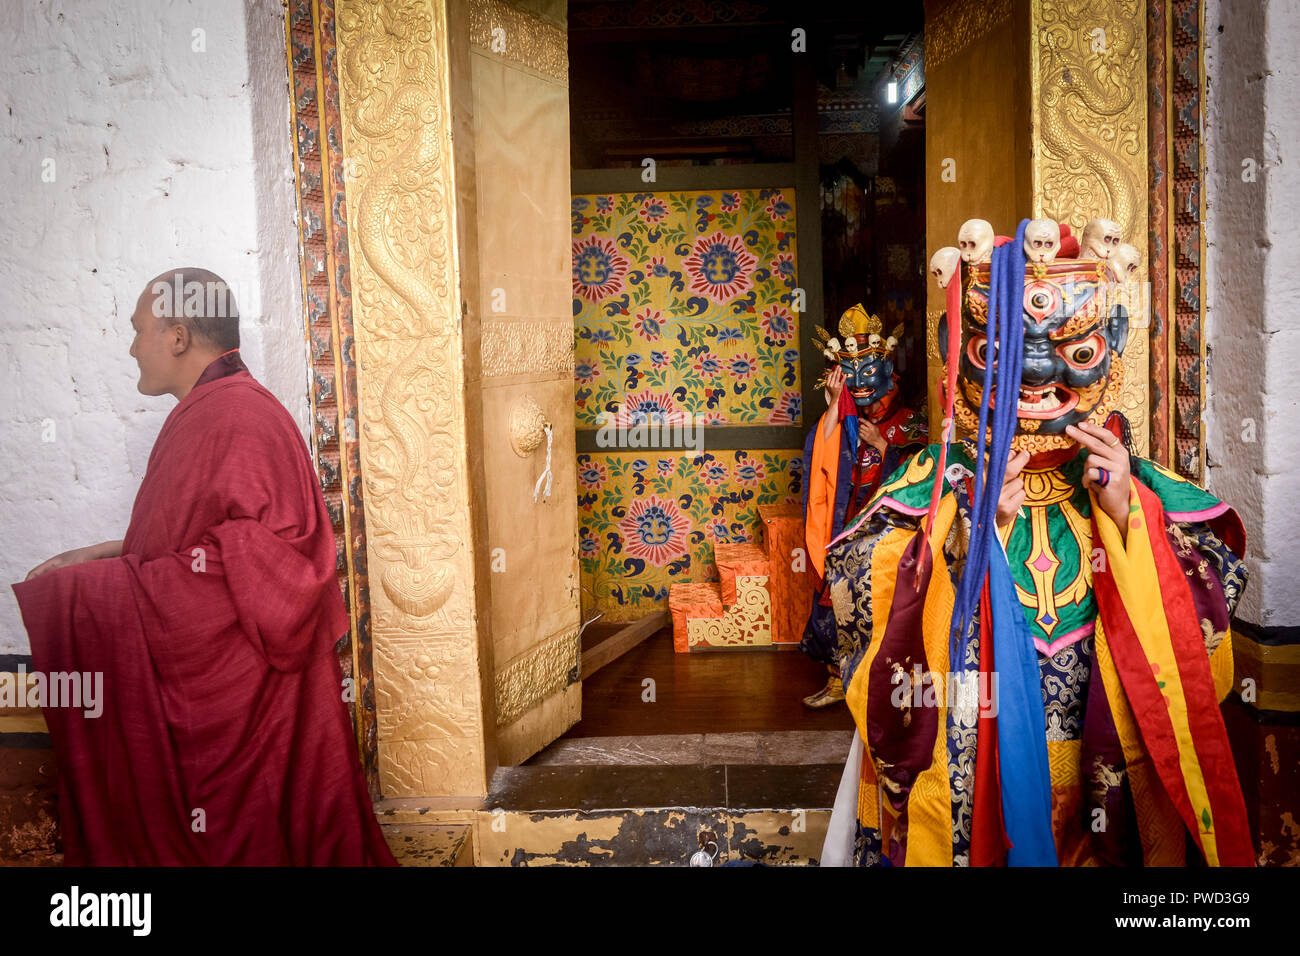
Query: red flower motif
(713, 472)
(786, 410)
(649, 324)
(749, 471)
(592, 474)
(777, 207)
(777, 324)
(649, 407)
(742, 366)
(655, 529)
(783, 265)
(653, 210)
(707, 365)
(720, 267)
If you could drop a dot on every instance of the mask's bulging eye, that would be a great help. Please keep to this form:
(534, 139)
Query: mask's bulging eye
(977, 351)
(1084, 354)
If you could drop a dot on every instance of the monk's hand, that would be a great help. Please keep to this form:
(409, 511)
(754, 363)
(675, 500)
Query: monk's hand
(1013, 489)
(871, 435)
(834, 385)
(93, 552)
(1105, 452)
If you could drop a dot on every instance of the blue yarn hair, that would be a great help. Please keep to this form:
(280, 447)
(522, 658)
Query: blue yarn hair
(1003, 363)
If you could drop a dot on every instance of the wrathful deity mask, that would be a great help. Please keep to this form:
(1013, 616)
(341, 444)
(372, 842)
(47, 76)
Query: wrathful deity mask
(1074, 334)
(864, 353)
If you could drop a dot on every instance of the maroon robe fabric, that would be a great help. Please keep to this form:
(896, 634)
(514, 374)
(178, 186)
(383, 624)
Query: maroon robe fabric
(224, 738)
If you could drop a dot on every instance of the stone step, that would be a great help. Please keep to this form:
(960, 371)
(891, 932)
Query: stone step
(790, 748)
(654, 815)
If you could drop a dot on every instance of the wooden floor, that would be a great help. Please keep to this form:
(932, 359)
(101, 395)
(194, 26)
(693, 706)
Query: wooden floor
(708, 692)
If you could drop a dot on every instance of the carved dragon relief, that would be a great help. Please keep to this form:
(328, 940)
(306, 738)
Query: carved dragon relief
(402, 231)
(397, 170)
(1088, 97)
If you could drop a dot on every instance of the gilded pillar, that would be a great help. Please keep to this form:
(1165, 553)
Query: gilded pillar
(423, 541)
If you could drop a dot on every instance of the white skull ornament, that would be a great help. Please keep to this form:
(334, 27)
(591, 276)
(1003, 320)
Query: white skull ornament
(943, 264)
(1100, 239)
(1123, 262)
(1042, 240)
(975, 240)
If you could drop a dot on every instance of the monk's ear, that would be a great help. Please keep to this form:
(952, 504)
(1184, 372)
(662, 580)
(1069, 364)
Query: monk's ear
(179, 338)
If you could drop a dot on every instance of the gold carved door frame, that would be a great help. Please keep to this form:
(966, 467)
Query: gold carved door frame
(410, 384)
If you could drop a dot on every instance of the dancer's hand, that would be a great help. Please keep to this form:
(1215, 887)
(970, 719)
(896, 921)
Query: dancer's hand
(834, 385)
(871, 435)
(1013, 489)
(1106, 452)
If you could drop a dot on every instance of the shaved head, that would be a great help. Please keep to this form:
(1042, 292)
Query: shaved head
(198, 299)
(183, 321)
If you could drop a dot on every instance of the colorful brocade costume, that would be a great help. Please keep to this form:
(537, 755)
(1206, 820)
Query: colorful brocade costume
(1095, 748)
(1072, 715)
(843, 468)
(844, 474)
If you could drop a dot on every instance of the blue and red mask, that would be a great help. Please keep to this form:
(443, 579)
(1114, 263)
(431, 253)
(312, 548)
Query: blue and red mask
(1074, 334)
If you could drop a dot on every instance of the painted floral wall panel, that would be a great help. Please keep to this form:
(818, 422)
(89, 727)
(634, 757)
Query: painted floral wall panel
(683, 306)
(647, 520)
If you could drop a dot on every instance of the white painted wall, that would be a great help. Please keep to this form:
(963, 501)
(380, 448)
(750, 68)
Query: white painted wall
(163, 156)
(1253, 289)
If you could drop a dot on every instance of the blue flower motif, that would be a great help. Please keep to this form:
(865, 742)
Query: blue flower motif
(599, 335)
(633, 359)
(727, 335)
(580, 203)
(647, 325)
(714, 473)
(640, 464)
(741, 366)
(604, 203)
(652, 210)
(779, 324)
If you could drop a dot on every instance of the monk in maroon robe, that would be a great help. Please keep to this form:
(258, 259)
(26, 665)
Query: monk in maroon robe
(223, 738)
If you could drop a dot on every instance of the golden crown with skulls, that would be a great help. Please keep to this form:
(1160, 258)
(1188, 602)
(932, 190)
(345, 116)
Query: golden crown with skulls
(860, 334)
